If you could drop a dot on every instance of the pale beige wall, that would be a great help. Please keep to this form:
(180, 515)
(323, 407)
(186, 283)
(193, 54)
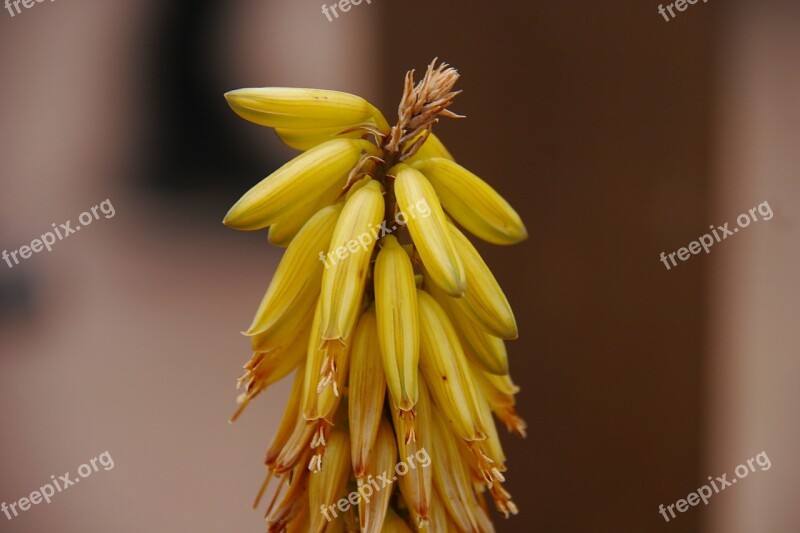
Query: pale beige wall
(134, 347)
(754, 394)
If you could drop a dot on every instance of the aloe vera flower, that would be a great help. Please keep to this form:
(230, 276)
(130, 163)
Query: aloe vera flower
(390, 320)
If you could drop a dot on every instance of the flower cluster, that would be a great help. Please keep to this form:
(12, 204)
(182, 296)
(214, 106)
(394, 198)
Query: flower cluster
(396, 349)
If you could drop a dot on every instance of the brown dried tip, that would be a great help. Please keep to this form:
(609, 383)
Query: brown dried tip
(513, 422)
(421, 107)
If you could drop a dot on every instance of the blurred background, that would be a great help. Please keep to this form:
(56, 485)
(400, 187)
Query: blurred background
(617, 136)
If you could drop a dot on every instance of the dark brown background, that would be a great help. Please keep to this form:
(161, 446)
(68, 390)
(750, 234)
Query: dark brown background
(592, 118)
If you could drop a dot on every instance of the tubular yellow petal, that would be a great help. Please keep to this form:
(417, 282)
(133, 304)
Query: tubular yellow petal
(301, 522)
(398, 321)
(484, 298)
(373, 505)
(414, 434)
(282, 232)
(287, 107)
(290, 418)
(492, 446)
(499, 392)
(293, 453)
(451, 524)
(293, 505)
(451, 475)
(278, 364)
(491, 388)
(357, 186)
(305, 139)
(432, 147)
(347, 263)
(428, 228)
(288, 328)
(326, 373)
(479, 346)
(296, 281)
(339, 525)
(329, 485)
(394, 524)
(503, 383)
(264, 369)
(446, 370)
(380, 121)
(301, 182)
(437, 520)
(484, 522)
(472, 202)
(367, 391)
